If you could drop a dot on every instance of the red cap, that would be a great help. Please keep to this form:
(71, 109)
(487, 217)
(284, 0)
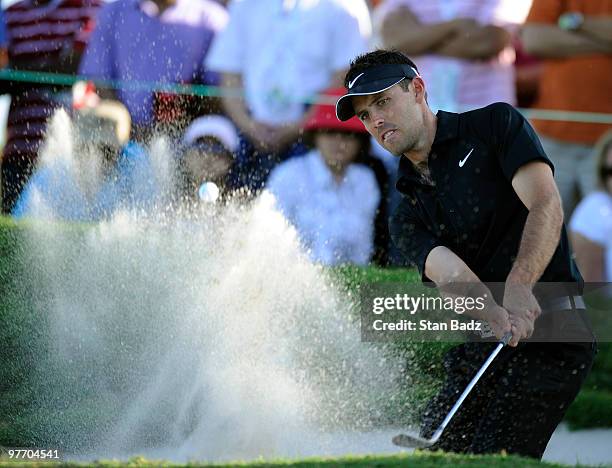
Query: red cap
(324, 116)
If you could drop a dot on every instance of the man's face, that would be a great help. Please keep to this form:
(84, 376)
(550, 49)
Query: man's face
(338, 149)
(393, 117)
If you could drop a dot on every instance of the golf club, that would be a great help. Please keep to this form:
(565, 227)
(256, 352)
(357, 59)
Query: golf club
(415, 441)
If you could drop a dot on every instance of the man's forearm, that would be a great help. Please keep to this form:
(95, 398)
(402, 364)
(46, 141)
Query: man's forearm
(235, 106)
(547, 41)
(599, 28)
(484, 43)
(401, 30)
(236, 110)
(454, 277)
(444, 266)
(539, 241)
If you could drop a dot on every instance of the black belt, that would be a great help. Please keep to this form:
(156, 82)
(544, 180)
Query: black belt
(554, 304)
(563, 303)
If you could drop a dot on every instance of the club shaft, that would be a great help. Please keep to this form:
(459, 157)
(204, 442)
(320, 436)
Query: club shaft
(469, 388)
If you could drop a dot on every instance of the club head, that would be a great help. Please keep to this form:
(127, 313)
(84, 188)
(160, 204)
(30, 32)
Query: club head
(412, 441)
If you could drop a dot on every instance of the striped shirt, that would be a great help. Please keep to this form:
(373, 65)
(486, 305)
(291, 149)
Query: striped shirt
(40, 33)
(458, 85)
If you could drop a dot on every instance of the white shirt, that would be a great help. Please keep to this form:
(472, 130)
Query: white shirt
(335, 221)
(287, 50)
(592, 218)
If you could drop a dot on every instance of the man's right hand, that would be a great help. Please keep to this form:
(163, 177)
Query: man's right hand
(261, 135)
(523, 309)
(499, 320)
(271, 138)
(522, 326)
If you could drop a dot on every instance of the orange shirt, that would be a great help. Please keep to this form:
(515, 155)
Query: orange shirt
(579, 83)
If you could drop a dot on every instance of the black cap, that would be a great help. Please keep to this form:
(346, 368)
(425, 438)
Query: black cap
(372, 81)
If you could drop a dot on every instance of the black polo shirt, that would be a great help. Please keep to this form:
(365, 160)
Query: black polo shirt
(471, 208)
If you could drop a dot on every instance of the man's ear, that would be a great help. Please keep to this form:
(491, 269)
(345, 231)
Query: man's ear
(418, 88)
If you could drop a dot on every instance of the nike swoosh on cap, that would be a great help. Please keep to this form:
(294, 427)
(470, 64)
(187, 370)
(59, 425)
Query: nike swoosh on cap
(352, 82)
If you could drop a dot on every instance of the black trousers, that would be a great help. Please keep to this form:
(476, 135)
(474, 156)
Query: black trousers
(516, 405)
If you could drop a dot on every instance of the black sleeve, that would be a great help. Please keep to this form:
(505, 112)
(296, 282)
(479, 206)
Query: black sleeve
(411, 237)
(514, 139)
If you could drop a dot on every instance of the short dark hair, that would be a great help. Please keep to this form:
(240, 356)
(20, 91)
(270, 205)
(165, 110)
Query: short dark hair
(364, 140)
(378, 57)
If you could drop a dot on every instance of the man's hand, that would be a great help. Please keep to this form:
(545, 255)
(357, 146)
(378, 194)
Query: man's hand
(523, 309)
(265, 137)
(550, 41)
(522, 326)
(270, 138)
(260, 134)
(499, 320)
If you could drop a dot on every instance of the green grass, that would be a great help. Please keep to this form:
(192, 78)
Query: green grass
(591, 408)
(416, 460)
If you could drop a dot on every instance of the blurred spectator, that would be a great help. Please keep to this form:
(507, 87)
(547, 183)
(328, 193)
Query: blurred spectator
(574, 40)
(330, 199)
(210, 143)
(382, 239)
(153, 41)
(105, 172)
(528, 70)
(43, 36)
(283, 52)
(3, 41)
(463, 48)
(591, 223)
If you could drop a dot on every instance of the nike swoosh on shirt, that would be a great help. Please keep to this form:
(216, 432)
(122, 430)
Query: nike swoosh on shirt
(352, 82)
(462, 162)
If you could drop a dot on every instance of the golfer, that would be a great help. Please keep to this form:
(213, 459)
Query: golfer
(479, 205)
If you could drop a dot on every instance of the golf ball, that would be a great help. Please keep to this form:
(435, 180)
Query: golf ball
(208, 192)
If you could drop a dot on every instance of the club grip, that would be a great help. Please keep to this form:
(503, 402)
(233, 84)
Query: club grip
(506, 338)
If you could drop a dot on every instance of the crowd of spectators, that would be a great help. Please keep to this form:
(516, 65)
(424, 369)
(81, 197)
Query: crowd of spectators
(265, 121)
